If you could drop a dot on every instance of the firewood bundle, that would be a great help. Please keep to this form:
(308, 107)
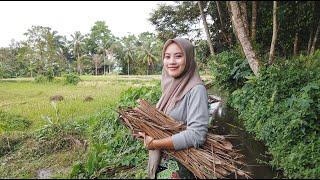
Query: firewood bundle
(215, 159)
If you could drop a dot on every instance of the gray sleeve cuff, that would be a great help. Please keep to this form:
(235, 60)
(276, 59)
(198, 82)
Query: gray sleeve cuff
(179, 141)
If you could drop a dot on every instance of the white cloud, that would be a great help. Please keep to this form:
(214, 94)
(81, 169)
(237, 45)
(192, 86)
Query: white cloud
(66, 17)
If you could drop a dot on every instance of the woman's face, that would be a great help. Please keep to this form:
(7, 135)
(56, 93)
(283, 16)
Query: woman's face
(174, 60)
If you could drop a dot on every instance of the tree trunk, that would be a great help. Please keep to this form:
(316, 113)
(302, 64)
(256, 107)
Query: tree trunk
(128, 67)
(274, 34)
(233, 26)
(310, 41)
(148, 65)
(104, 66)
(243, 38)
(79, 66)
(244, 15)
(225, 36)
(254, 21)
(295, 44)
(219, 13)
(315, 40)
(206, 28)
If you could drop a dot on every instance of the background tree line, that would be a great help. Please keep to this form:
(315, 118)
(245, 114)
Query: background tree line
(45, 52)
(263, 30)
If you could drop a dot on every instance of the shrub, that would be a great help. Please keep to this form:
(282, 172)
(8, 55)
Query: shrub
(48, 77)
(281, 107)
(129, 98)
(229, 69)
(111, 147)
(71, 79)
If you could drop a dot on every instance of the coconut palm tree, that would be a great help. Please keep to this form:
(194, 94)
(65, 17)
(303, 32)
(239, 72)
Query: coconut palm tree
(77, 42)
(149, 50)
(129, 43)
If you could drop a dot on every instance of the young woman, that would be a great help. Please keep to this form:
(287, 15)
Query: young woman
(184, 98)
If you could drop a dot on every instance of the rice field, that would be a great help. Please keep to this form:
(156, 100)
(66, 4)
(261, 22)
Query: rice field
(31, 100)
(26, 108)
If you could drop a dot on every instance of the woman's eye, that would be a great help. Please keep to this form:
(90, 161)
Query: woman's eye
(178, 56)
(167, 57)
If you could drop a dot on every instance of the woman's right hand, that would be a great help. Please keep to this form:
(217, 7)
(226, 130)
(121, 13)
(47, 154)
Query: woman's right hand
(147, 140)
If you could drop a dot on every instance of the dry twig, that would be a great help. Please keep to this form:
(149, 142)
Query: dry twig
(215, 159)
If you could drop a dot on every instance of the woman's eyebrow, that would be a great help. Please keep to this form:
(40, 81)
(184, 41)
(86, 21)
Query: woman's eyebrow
(174, 53)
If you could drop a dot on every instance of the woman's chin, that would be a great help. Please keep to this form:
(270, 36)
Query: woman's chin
(174, 74)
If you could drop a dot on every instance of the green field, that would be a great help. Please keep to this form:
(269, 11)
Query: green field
(32, 100)
(40, 138)
(25, 107)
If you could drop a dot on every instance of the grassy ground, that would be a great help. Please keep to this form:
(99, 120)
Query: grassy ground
(31, 146)
(32, 100)
(25, 108)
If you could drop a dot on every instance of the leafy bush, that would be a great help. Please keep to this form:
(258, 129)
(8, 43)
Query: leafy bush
(229, 69)
(111, 147)
(151, 94)
(3, 72)
(48, 77)
(281, 107)
(71, 79)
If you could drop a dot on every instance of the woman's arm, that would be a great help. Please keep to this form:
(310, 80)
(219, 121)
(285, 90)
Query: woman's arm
(151, 144)
(197, 117)
(165, 143)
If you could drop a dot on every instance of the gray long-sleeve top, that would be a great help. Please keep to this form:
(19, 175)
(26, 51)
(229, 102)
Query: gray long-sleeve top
(192, 109)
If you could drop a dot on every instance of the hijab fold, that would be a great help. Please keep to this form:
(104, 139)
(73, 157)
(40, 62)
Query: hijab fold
(174, 89)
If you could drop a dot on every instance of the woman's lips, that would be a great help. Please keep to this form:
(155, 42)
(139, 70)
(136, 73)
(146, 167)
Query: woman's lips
(173, 68)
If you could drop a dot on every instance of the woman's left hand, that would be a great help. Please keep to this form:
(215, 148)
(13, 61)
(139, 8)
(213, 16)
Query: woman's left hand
(147, 140)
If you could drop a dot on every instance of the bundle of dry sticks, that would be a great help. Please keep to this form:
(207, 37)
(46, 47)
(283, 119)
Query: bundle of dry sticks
(215, 159)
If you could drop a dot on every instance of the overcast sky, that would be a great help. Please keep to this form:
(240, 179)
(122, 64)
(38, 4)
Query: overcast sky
(66, 17)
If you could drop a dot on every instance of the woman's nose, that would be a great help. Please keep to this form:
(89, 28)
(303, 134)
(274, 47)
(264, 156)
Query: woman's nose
(172, 60)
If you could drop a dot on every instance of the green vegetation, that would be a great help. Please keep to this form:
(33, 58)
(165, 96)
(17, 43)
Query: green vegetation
(229, 69)
(69, 138)
(71, 79)
(281, 108)
(9, 122)
(113, 148)
(58, 120)
(32, 100)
